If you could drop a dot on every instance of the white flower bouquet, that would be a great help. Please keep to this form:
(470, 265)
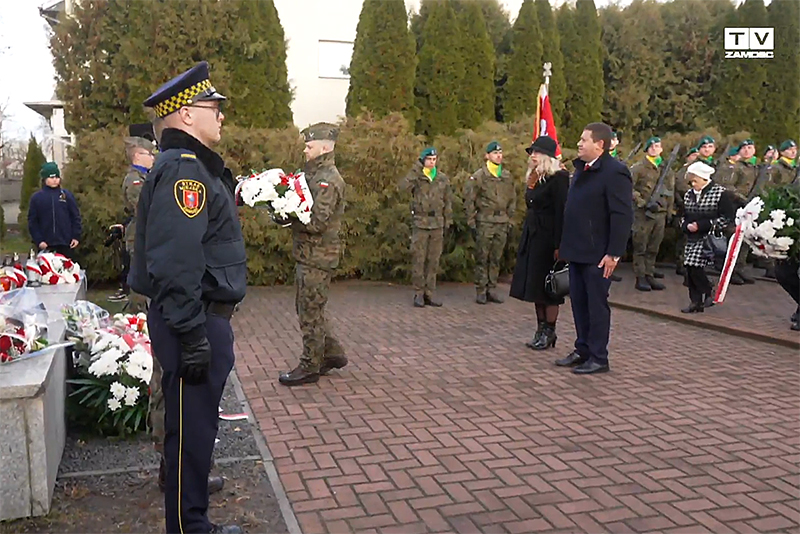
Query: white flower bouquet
(286, 195)
(23, 325)
(58, 269)
(770, 224)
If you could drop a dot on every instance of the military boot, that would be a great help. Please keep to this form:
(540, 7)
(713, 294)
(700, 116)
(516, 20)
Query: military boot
(297, 377)
(419, 301)
(655, 286)
(430, 300)
(536, 335)
(491, 296)
(642, 284)
(480, 296)
(329, 363)
(657, 275)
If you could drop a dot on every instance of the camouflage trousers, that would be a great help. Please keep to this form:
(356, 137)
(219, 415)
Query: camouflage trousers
(312, 286)
(426, 249)
(648, 232)
(489, 247)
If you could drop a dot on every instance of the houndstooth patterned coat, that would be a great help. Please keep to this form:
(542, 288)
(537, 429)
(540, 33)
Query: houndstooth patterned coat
(708, 207)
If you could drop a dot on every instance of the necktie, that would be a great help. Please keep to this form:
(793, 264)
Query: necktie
(587, 167)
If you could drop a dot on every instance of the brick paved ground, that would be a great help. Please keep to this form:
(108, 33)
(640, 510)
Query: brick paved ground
(445, 422)
(762, 309)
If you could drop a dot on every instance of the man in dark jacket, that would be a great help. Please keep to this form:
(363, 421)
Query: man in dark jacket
(597, 222)
(54, 220)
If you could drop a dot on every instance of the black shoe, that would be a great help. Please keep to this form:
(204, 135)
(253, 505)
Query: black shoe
(536, 335)
(694, 307)
(419, 301)
(547, 339)
(572, 360)
(119, 296)
(709, 302)
(491, 296)
(215, 484)
(747, 279)
(615, 278)
(680, 270)
(591, 367)
(481, 298)
(737, 280)
(226, 529)
(795, 326)
(332, 362)
(430, 301)
(297, 377)
(795, 316)
(655, 286)
(657, 274)
(642, 285)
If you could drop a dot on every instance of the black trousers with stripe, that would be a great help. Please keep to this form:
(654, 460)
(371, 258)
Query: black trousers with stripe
(191, 421)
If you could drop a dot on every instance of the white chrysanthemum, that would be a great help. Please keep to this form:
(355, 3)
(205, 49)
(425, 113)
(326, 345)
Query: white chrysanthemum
(304, 217)
(117, 390)
(114, 404)
(783, 243)
(789, 222)
(766, 230)
(778, 215)
(131, 396)
(106, 364)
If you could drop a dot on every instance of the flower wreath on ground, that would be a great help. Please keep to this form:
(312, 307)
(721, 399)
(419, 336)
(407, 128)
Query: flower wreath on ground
(113, 366)
(286, 195)
(769, 223)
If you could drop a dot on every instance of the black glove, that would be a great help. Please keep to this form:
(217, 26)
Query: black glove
(195, 359)
(652, 206)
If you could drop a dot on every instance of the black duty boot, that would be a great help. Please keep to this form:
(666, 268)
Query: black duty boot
(657, 275)
(694, 307)
(536, 335)
(795, 326)
(795, 315)
(419, 301)
(332, 362)
(708, 302)
(430, 300)
(297, 377)
(642, 285)
(547, 339)
(655, 286)
(480, 296)
(492, 296)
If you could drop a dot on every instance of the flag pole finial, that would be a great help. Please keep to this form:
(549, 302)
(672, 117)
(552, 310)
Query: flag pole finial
(548, 71)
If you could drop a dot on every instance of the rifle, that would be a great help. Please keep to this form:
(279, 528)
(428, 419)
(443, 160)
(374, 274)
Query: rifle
(724, 154)
(632, 153)
(763, 176)
(652, 203)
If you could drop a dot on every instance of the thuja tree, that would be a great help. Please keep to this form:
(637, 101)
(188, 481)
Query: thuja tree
(524, 66)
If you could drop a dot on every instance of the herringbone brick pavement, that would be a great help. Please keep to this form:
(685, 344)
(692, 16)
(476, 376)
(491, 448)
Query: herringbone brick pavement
(445, 422)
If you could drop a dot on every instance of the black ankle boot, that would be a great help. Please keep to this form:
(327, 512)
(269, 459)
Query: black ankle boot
(537, 335)
(547, 339)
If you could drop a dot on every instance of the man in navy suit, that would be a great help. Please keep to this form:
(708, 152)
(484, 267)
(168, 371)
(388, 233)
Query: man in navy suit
(597, 222)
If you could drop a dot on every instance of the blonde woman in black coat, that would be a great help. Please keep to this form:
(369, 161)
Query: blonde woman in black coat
(545, 198)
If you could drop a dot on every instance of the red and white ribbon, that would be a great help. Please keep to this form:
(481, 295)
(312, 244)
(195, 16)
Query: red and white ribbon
(734, 246)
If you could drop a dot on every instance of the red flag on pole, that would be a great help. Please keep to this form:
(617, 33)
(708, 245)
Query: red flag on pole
(545, 125)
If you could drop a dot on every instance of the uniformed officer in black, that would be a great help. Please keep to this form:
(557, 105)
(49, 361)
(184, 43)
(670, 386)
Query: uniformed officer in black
(189, 259)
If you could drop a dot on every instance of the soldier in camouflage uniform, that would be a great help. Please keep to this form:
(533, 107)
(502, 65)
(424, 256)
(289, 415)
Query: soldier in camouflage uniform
(705, 150)
(650, 213)
(490, 200)
(770, 155)
(743, 178)
(681, 188)
(784, 170)
(614, 144)
(316, 250)
(431, 213)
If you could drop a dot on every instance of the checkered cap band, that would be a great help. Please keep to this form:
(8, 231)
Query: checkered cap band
(174, 103)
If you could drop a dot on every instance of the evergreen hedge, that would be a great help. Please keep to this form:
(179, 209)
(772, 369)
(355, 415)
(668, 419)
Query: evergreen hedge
(34, 159)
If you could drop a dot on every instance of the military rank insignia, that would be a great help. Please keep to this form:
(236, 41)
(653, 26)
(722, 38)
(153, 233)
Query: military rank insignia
(190, 196)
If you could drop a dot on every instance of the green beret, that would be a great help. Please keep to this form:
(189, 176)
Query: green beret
(786, 145)
(494, 145)
(650, 142)
(706, 140)
(321, 131)
(732, 151)
(692, 150)
(746, 142)
(769, 147)
(430, 151)
(49, 170)
(613, 134)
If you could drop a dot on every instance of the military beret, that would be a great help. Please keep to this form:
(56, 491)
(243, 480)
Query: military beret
(786, 145)
(321, 131)
(614, 135)
(692, 150)
(746, 142)
(430, 151)
(769, 147)
(138, 142)
(732, 151)
(650, 142)
(494, 145)
(184, 89)
(706, 140)
(49, 170)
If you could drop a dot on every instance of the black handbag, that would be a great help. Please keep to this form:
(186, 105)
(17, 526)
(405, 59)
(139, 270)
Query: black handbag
(715, 244)
(556, 283)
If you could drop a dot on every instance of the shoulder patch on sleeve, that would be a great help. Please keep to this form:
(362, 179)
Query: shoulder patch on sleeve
(190, 156)
(190, 196)
(324, 184)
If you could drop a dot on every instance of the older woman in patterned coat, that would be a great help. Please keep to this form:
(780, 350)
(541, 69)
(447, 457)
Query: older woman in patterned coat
(706, 205)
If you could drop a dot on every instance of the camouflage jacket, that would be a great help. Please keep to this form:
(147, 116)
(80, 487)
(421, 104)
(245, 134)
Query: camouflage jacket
(131, 189)
(488, 198)
(782, 173)
(744, 178)
(725, 175)
(431, 201)
(317, 243)
(645, 178)
(681, 187)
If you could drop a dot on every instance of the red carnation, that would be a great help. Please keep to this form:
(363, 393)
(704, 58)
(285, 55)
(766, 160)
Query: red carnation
(4, 357)
(53, 280)
(77, 277)
(67, 264)
(5, 343)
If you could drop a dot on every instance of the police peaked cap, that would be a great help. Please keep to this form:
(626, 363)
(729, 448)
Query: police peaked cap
(184, 89)
(321, 131)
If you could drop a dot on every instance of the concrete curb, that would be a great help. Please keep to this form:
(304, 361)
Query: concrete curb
(764, 338)
(269, 465)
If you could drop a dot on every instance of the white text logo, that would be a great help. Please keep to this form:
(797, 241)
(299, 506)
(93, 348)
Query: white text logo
(749, 43)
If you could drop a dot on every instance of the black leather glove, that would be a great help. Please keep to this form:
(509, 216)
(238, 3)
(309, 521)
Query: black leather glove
(195, 359)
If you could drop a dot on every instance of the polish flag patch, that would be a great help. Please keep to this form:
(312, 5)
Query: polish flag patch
(323, 184)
